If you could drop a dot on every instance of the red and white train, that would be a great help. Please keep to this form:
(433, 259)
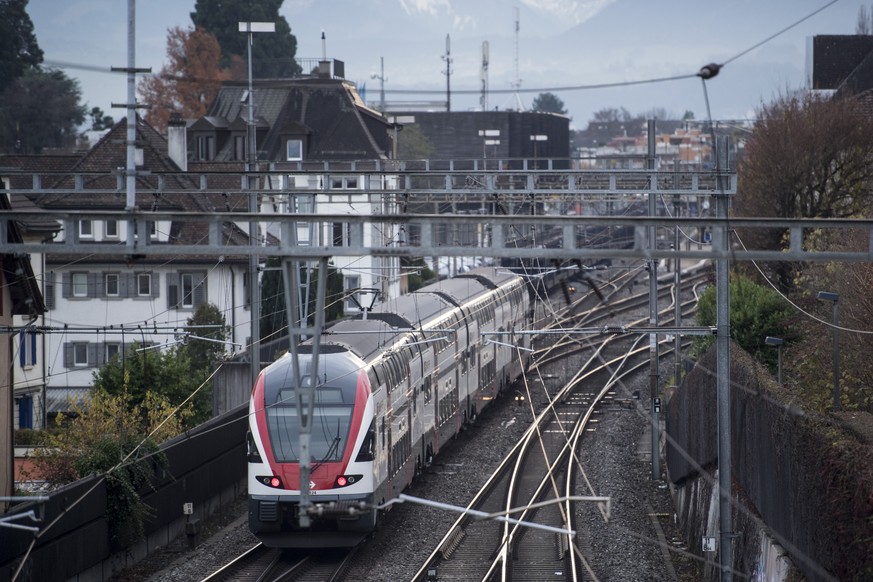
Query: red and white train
(392, 389)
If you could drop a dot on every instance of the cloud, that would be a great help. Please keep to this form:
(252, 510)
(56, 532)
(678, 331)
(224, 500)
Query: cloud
(430, 7)
(574, 11)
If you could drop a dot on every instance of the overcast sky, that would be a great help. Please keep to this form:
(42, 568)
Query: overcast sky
(561, 43)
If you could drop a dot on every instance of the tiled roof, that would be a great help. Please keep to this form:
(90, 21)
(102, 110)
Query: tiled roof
(181, 191)
(336, 122)
(18, 274)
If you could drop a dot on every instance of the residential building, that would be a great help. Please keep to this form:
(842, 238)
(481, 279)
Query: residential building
(326, 147)
(98, 307)
(19, 297)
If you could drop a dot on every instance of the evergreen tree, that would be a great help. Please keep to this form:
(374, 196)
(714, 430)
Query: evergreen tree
(204, 353)
(19, 50)
(549, 103)
(40, 110)
(272, 53)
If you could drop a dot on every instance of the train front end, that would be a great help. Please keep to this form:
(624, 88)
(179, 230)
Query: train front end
(341, 480)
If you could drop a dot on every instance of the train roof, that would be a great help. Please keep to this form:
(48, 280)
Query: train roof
(417, 309)
(363, 337)
(386, 322)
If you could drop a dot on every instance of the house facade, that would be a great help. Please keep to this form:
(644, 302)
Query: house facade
(98, 306)
(19, 297)
(301, 125)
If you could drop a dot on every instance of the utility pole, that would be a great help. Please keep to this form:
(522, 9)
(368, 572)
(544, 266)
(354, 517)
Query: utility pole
(723, 330)
(252, 187)
(130, 168)
(654, 387)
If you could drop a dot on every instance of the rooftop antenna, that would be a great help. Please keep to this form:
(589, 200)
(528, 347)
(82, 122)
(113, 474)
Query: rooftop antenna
(483, 99)
(382, 80)
(448, 72)
(516, 84)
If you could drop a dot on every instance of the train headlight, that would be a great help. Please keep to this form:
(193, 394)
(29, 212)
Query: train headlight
(346, 480)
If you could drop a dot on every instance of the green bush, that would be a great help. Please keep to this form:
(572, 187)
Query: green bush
(755, 313)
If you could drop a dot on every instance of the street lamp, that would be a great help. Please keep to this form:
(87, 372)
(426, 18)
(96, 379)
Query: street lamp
(776, 341)
(537, 138)
(835, 297)
(488, 133)
(251, 162)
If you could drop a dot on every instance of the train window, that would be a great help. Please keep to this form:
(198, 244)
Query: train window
(330, 430)
(374, 379)
(368, 446)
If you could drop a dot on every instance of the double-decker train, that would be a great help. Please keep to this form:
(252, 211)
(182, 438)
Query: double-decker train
(391, 389)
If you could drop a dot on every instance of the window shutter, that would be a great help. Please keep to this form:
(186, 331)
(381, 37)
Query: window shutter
(67, 285)
(101, 354)
(22, 348)
(199, 288)
(92, 354)
(126, 282)
(173, 290)
(68, 355)
(156, 285)
(32, 349)
(94, 285)
(49, 293)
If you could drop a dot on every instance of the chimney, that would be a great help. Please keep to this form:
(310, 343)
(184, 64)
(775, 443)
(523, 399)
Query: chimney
(177, 141)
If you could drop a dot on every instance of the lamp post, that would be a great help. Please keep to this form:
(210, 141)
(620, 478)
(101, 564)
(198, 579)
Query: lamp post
(835, 297)
(489, 135)
(251, 185)
(775, 341)
(537, 138)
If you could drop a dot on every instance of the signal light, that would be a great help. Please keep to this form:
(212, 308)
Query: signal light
(270, 481)
(346, 480)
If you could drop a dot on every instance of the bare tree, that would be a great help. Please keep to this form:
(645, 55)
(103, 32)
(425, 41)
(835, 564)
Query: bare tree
(808, 157)
(865, 21)
(189, 82)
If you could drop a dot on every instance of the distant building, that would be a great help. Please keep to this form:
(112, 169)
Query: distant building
(510, 136)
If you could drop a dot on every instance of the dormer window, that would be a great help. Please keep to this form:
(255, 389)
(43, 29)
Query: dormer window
(294, 150)
(239, 147)
(205, 147)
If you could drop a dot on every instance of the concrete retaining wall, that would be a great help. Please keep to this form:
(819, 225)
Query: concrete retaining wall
(206, 467)
(804, 476)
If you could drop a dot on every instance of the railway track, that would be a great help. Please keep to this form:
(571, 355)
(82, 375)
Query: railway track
(485, 549)
(535, 483)
(263, 564)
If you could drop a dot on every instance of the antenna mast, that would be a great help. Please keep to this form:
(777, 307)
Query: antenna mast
(483, 99)
(517, 83)
(448, 72)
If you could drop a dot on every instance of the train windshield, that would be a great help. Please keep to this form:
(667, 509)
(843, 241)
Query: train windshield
(330, 431)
